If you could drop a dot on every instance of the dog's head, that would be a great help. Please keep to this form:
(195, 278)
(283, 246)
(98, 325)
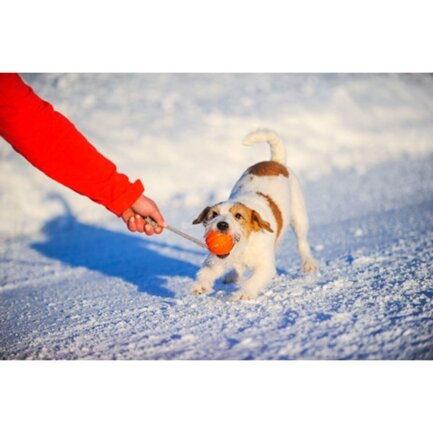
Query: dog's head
(235, 219)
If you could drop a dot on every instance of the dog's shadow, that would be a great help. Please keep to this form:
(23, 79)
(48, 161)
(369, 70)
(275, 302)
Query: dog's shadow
(134, 259)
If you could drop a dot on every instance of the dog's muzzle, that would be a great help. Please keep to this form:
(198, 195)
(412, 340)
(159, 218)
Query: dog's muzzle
(222, 226)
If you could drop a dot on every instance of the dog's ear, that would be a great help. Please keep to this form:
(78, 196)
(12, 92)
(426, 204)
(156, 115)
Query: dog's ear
(259, 223)
(202, 215)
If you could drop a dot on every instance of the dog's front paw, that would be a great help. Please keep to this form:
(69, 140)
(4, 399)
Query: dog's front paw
(309, 265)
(242, 296)
(198, 289)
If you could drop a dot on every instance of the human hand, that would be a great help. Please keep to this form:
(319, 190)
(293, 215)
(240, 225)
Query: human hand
(141, 208)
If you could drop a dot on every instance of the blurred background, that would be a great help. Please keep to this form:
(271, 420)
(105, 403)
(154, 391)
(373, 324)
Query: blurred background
(181, 133)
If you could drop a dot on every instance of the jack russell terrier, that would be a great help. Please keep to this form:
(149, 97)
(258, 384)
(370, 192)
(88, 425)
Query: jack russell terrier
(263, 203)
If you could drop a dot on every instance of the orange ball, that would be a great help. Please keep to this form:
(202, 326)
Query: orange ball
(219, 243)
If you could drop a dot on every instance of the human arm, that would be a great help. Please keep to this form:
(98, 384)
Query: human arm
(50, 142)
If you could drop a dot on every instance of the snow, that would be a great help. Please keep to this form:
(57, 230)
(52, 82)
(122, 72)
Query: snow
(75, 284)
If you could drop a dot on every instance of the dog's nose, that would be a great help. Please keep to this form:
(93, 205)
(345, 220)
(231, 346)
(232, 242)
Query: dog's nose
(222, 225)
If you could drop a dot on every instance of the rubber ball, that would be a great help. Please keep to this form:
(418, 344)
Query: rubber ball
(219, 243)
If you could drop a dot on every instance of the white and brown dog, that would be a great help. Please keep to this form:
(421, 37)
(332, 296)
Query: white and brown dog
(263, 203)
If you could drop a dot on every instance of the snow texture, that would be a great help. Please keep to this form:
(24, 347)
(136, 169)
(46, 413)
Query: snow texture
(74, 284)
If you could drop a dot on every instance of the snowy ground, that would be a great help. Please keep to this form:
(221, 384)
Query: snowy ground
(75, 284)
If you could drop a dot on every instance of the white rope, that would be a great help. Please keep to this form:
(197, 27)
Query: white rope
(176, 231)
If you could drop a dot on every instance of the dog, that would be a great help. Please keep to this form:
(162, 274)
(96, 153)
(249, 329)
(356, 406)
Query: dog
(263, 203)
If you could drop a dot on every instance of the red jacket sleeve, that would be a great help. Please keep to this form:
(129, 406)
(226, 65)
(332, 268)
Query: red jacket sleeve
(51, 143)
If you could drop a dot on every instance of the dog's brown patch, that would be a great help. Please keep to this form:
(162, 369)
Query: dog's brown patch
(250, 220)
(268, 168)
(276, 212)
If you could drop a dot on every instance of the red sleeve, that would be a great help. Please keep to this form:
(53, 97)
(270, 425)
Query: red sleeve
(51, 143)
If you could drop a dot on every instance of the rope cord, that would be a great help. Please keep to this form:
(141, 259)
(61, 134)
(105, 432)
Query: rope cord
(177, 232)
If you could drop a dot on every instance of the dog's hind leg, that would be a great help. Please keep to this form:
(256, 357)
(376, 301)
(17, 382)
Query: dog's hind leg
(299, 224)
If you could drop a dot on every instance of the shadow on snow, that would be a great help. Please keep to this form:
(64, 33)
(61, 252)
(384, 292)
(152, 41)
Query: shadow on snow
(134, 259)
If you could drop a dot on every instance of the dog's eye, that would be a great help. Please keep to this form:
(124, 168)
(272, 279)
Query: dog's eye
(213, 215)
(238, 216)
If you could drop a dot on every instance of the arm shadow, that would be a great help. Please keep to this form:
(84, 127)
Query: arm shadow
(134, 259)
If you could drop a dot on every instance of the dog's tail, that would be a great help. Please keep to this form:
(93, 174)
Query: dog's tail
(278, 150)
